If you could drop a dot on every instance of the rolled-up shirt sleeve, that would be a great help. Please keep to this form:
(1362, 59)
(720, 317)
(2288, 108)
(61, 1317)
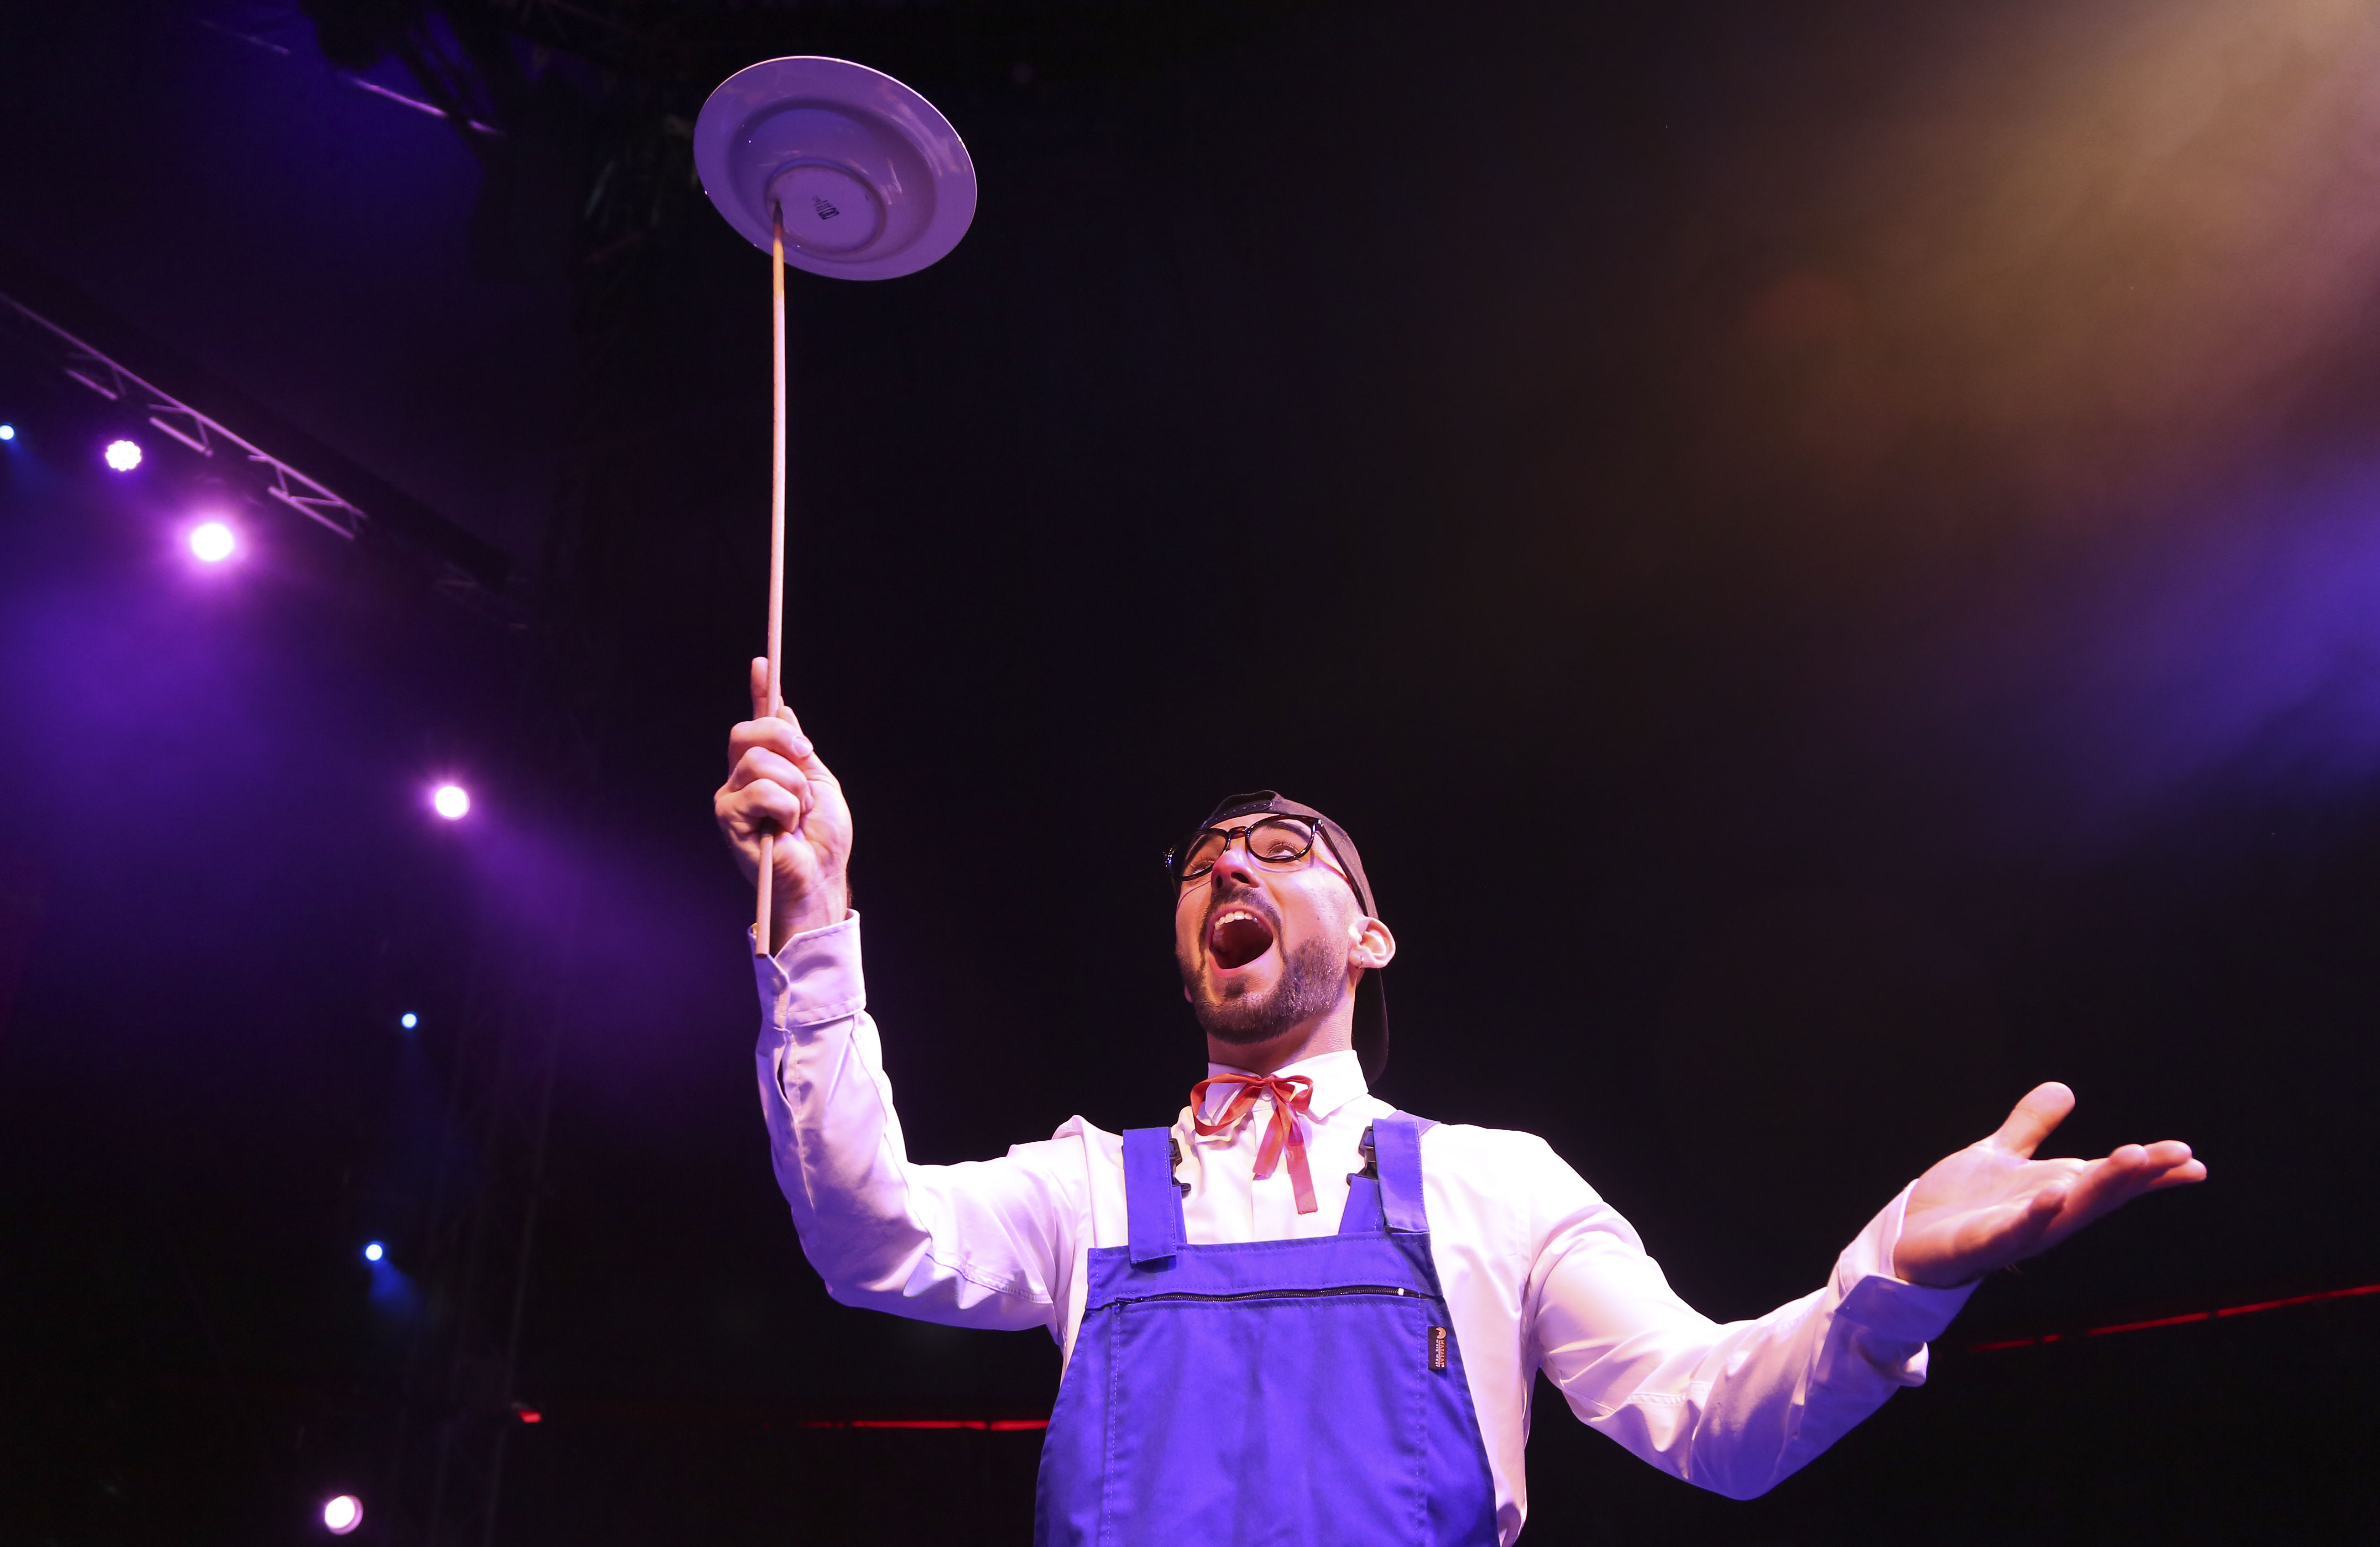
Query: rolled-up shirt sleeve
(983, 1244)
(1733, 1406)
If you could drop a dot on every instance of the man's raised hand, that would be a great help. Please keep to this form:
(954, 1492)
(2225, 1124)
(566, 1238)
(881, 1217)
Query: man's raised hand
(1992, 1203)
(776, 784)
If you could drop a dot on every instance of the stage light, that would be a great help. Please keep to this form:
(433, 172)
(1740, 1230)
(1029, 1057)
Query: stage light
(374, 1252)
(8, 432)
(123, 456)
(409, 1020)
(212, 542)
(451, 802)
(342, 1514)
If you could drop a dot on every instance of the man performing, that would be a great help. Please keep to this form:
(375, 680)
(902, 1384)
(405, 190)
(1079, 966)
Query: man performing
(1300, 1316)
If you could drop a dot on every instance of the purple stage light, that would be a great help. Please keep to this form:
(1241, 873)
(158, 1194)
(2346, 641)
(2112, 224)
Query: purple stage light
(123, 456)
(342, 1514)
(212, 542)
(451, 802)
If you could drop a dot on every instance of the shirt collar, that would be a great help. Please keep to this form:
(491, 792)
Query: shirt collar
(1338, 1079)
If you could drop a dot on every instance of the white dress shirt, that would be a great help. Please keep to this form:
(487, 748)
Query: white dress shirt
(1538, 1271)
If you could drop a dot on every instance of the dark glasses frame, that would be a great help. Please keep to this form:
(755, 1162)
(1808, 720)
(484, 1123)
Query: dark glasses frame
(1176, 855)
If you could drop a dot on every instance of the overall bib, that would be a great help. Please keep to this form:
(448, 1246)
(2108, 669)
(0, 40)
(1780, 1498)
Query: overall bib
(1277, 1394)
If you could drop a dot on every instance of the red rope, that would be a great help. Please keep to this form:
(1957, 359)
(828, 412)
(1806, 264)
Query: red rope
(2351, 1293)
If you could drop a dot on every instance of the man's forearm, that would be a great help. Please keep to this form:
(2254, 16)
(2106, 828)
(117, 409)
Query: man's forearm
(1736, 1408)
(881, 1232)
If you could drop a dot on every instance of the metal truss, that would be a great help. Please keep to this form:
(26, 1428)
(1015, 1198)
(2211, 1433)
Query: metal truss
(109, 378)
(295, 488)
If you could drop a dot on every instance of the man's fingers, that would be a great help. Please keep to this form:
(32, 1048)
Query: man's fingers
(2034, 1118)
(781, 737)
(766, 806)
(2100, 1187)
(2134, 1169)
(2170, 1164)
(781, 732)
(2181, 1176)
(760, 696)
(760, 764)
(2106, 1185)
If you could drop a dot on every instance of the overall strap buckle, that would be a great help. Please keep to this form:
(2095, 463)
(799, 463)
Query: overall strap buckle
(1152, 1198)
(1393, 1153)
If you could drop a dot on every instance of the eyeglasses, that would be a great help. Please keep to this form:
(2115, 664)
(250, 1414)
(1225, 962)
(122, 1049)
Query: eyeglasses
(1277, 843)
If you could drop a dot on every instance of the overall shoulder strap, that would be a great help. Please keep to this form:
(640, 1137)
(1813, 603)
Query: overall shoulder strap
(1396, 1148)
(1152, 1199)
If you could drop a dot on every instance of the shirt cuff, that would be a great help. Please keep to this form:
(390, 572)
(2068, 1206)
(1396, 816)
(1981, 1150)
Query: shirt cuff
(1873, 1296)
(814, 978)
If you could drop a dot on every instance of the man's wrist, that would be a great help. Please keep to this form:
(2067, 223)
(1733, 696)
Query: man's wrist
(1926, 1273)
(812, 913)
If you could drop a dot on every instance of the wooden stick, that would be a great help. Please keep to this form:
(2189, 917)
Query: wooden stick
(761, 929)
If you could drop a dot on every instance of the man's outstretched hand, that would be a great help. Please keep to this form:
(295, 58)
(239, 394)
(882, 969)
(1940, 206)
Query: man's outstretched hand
(1992, 1203)
(776, 784)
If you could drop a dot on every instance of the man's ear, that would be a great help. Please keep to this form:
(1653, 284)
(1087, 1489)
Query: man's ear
(1369, 944)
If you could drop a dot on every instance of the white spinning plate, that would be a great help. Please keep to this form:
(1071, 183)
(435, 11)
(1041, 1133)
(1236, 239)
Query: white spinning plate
(874, 183)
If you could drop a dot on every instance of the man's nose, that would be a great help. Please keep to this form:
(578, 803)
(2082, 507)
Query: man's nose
(1233, 868)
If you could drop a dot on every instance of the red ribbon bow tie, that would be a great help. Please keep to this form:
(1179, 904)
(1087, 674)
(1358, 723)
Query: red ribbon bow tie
(1290, 1096)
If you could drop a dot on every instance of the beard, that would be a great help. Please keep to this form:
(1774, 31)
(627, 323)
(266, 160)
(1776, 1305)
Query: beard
(1311, 984)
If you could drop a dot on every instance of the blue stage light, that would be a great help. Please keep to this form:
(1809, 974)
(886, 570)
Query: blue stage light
(8, 432)
(374, 1252)
(409, 1020)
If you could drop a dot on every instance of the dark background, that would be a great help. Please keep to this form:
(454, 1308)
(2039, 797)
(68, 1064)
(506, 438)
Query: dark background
(1831, 555)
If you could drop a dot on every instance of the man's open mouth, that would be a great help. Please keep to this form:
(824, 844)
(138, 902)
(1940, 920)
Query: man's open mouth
(1238, 937)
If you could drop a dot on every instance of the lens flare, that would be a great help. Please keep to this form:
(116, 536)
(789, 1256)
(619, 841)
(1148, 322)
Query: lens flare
(212, 542)
(342, 1514)
(451, 802)
(123, 456)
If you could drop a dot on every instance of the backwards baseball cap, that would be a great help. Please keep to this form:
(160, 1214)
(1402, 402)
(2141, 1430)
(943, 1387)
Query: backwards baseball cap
(1371, 1028)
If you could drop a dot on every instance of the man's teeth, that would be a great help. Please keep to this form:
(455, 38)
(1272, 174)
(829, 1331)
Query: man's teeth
(1233, 946)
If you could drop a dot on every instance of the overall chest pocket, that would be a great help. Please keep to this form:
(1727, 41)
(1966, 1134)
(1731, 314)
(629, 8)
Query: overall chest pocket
(1267, 1419)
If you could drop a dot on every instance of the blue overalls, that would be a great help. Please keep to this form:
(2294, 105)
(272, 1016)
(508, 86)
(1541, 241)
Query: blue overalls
(1277, 1394)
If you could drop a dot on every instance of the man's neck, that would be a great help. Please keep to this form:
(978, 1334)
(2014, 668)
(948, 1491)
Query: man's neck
(1331, 1033)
